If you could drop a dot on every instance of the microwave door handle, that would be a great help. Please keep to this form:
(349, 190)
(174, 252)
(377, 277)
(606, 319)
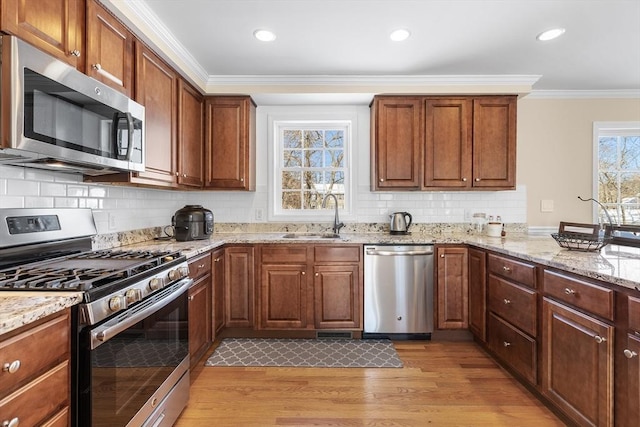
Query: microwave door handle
(114, 135)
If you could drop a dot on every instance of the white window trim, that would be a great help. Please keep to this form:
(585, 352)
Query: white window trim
(340, 114)
(611, 128)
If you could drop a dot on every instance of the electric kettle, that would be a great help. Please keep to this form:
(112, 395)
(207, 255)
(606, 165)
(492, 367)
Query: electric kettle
(399, 223)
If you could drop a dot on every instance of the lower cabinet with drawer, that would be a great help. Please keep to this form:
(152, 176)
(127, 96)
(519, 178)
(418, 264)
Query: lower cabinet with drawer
(35, 379)
(628, 364)
(578, 344)
(513, 321)
(310, 286)
(200, 311)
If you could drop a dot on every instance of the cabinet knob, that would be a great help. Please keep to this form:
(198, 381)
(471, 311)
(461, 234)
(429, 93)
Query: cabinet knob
(241, 179)
(464, 179)
(317, 274)
(506, 343)
(507, 301)
(569, 291)
(304, 273)
(184, 175)
(12, 367)
(14, 422)
(217, 259)
(506, 269)
(97, 67)
(477, 180)
(75, 52)
(190, 297)
(599, 339)
(441, 255)
(381, 179)
(630, 354)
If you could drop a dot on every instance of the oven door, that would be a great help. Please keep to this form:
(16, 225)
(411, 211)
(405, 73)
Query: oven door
(129, 363)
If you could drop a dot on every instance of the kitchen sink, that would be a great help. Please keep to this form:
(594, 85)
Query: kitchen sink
(311, 236)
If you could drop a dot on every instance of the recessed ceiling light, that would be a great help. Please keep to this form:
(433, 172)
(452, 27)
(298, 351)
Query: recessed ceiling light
(399, 35)
(264, 35)
(550, 34)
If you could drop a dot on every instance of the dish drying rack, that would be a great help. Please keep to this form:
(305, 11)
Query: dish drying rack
(581, 237)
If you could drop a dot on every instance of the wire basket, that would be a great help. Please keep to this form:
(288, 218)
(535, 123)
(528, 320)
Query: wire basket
(581, 237)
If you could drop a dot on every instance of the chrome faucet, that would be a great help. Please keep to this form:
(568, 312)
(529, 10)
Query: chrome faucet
(337, 225)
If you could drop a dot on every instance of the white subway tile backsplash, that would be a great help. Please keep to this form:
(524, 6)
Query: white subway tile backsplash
(22, 188)
(66, 202)
(52, 189)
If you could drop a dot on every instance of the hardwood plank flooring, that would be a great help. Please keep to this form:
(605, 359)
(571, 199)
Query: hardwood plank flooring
(441, 384)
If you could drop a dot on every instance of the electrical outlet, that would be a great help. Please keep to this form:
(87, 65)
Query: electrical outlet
(259, 214)
(112, 221)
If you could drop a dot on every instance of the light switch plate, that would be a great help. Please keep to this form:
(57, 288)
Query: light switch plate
(546, 205)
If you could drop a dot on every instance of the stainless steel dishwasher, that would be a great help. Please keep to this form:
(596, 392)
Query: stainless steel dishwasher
(398, 291)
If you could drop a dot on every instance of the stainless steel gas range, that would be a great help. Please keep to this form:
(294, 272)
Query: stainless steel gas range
(130, 333)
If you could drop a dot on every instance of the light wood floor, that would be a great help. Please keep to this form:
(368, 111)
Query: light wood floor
(441, 384)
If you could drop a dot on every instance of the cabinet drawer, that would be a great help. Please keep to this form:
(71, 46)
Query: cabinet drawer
(34, 351)
(61, 419)
(521, 272)
(514, 303)
(40, 399)
(284, 254)
(587, 296)
(515, 348)
(634, 314)
(340, 253)
(200, 266)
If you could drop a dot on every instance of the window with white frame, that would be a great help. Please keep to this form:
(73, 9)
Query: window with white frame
(311, 159)
(617, 167)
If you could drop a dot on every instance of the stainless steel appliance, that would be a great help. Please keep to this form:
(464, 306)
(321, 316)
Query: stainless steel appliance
(192, 222)
(130, 333)
(398, 291)
(54, 117)
(400, 222)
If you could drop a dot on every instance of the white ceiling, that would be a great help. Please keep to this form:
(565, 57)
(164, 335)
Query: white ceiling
(346, 42)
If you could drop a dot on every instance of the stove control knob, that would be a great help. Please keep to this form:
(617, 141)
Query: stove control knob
(178, 273)
(117, 303)
(133, 295)
(155, 284)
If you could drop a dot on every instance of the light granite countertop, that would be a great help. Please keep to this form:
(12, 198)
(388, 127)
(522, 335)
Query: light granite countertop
(18, 308)
(618, 265)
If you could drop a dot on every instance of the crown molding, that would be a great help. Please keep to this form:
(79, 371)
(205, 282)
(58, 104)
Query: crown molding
(585, 94)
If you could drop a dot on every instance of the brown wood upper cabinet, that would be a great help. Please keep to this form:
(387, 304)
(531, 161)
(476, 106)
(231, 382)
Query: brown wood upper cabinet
(109, 57)
(465, 142)
(230, 143)
(54, 26)
(396, 137)
(190, 136)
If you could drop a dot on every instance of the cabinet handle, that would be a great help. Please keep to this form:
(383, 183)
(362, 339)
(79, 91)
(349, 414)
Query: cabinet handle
(304, 273)
(477, 180)
(441, 255)
(12, 367)
(599, 339)
(190, 298)
(506, 269)
(506, 343)
(464, 179)
(75, 52)
(629, 354)
(569, 291)
(317, 274)
(14, 422)
(200, 266)
(381, 179)
(507, 301)
(241, 179)
(97, 67)
(217, 259)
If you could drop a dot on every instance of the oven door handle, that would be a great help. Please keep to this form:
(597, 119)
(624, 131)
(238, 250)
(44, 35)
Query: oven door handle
(110, 329)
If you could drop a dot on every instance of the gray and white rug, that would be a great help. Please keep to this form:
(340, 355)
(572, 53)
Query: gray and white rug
(323, 353)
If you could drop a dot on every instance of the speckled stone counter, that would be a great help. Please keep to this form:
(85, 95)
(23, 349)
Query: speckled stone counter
(20, 308)
(619, 265)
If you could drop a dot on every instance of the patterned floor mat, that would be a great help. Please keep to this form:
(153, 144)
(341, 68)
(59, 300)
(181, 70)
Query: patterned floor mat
(323, 353)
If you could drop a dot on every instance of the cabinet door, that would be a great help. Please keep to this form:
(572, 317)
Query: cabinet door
(477, 293)
(337, 296)
(109, 53)
(452, 288)
(156, 88)
(238, 291)
(217, 275)
(447, 156)
(230, 143)
(578, 364)
(199, 318)
(396, 143)
(54, 26)
(632, 378)
(190, 136)
(494, 142)
(283, 296)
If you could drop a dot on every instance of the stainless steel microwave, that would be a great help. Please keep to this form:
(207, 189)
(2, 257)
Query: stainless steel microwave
(54, 117)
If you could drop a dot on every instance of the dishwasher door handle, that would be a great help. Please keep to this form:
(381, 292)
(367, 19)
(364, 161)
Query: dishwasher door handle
(394, 253)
